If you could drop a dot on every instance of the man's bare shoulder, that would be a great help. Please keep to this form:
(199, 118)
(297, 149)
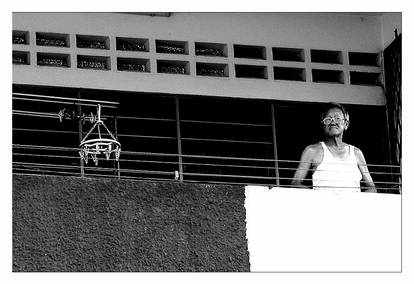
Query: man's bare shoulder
(313, 148)
(359, 155)
(357, 150)
(313, 153)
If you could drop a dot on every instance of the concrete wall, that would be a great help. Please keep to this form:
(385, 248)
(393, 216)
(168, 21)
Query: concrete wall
(334, 31)
(77, 224)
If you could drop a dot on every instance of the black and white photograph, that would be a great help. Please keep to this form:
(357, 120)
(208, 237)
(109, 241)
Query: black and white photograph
(252, 142)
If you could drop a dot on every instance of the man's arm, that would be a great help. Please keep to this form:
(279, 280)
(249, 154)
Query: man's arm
(303, 167)
(366, 177)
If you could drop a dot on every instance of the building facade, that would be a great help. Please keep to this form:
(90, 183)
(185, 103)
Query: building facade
(219, 99)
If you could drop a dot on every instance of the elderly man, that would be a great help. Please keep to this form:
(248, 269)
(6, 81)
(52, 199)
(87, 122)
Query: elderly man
(336, 165)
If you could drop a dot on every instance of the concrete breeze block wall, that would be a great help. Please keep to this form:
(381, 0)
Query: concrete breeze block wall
(328, 31)
(81, 224)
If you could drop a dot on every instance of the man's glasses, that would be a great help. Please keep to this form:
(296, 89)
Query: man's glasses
(329, 120)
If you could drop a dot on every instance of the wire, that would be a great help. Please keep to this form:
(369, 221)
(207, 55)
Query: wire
(37, 114)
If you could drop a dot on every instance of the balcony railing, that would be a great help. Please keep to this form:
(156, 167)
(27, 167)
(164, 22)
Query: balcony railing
(50, 160)
(49, 157)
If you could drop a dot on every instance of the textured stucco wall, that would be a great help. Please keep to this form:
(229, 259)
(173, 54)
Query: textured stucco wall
(79, 224)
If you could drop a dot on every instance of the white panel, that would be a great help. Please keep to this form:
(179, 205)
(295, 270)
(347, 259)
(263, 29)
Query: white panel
(292, 230)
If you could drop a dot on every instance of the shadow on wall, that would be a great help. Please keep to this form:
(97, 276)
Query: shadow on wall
(81, 224)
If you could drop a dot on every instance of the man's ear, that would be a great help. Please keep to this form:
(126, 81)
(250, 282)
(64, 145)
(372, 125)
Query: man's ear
(347, 122)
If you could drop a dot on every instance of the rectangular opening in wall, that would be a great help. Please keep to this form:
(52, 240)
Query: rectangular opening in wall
(363, 58)
(132, 44)
(249, 51)
(92, 41)
(53, 59)
(365, 78)
(212, 69)
(52, 39)
(326, 56)
(327, 76)
(251, 71)
(288, 54)
(94, 62)
(171, 46)
(289, 73)
(173, 67)
(210, 49)
(20, 37)
(133, 64)
(21, 57)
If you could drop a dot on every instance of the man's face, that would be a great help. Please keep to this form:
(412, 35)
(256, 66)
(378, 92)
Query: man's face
(334, 123)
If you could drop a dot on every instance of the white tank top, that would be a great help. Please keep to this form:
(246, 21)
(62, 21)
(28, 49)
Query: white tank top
(335, 174)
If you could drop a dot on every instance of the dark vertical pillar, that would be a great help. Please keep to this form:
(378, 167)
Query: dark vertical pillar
(80, 130)
(118, 168)
(180, 157)
(272, 106)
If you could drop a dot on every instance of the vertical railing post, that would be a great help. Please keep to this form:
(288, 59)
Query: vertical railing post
(178, 125)
(118, 167)
(272, 106)
(80, 131)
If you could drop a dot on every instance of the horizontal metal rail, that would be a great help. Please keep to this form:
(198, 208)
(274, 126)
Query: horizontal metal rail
(51, 172)
(25, 164)
(66, 98)
(100, 175)
(376, 182)
(225, 140)
(146, 118)
(62, 102)
(91, 168)
(147, 136)
(43, 147)
(75, 132)
(45, 130)
(230, 166)
(44, 156)
(227, 176)
(225, 123)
